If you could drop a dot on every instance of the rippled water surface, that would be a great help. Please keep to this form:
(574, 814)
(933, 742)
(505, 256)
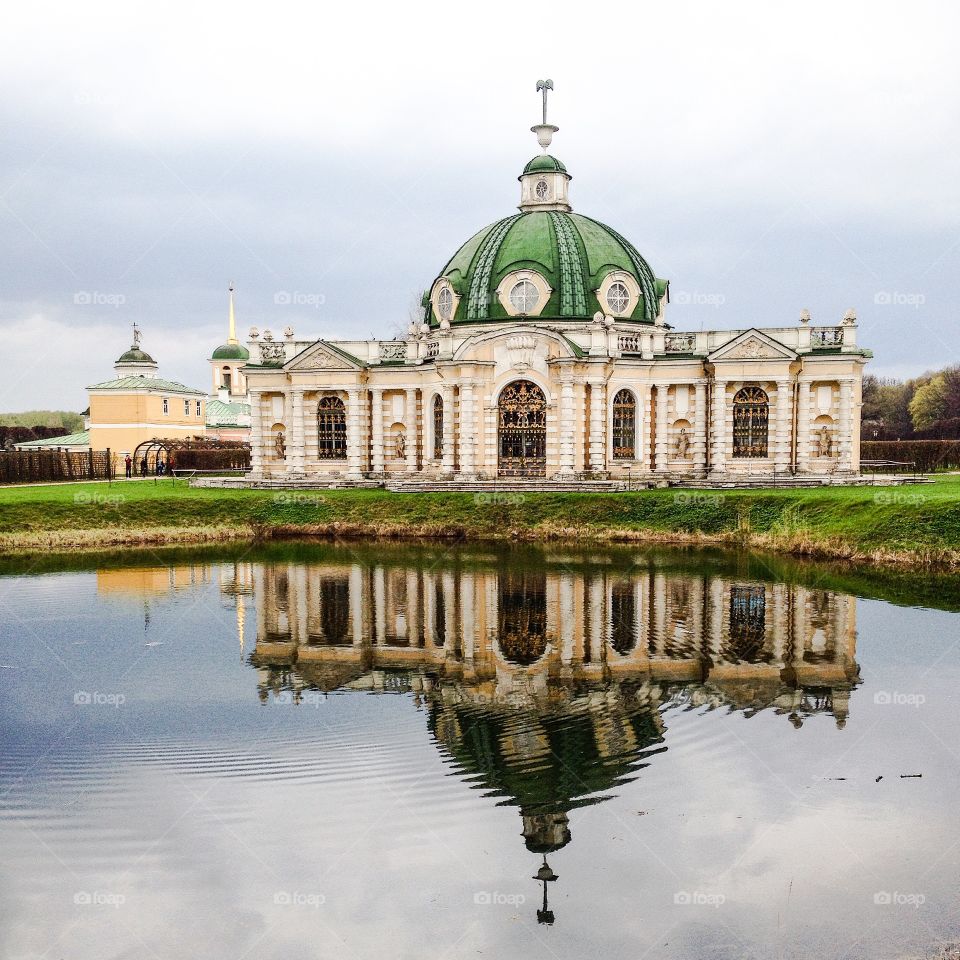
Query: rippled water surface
(316, 751)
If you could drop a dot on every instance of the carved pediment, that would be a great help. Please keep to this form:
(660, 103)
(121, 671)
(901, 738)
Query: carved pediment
(752, 345)
(322, 356)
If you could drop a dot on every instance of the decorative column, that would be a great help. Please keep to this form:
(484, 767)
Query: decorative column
(467, 438)
(566, 425)
(256, 434)
(699, 445)
(781, 450)
(718, 439)
(845, 427)
(376, 431)
(297, 454)
(354, 451)
(661, 442)
(803, 426)
(598, 424)
(410, 428)
(643, 415)
(447, 462)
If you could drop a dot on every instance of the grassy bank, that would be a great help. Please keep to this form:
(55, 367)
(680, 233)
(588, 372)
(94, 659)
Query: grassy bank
(919, 525)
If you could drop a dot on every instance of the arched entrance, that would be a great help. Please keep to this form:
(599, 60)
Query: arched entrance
(522, 432)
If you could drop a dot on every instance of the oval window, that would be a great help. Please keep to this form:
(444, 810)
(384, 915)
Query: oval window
(524, 296)
(618, 297)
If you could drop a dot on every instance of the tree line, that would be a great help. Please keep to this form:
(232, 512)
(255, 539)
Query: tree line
(923, 408)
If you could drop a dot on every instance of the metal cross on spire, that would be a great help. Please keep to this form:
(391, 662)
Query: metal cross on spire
(545, 86)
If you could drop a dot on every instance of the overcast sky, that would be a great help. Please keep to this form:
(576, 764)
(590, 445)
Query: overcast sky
(330, 158)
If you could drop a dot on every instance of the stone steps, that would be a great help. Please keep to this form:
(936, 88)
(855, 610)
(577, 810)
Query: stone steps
(495, 487)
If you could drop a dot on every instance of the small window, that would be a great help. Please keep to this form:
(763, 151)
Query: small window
(542, 189)
(524, 296)
(186, 408)
(198, 408)
(445, 303)
(166, 405)
(618, 297)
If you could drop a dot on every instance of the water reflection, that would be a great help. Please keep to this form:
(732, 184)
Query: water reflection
(547, 689)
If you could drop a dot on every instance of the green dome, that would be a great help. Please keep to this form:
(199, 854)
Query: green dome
(544, 164)
(572, 252)
(135, 355)
(231, 351)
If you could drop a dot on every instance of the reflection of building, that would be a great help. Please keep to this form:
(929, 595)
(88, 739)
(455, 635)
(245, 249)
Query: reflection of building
(544, 352)
(546, 686)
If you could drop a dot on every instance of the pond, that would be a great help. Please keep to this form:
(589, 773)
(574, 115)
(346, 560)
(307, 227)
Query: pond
(440, 752)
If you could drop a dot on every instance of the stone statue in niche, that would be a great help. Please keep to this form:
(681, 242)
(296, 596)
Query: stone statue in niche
(823, 442)
(280, 444)
(400, 450)
(683, 444)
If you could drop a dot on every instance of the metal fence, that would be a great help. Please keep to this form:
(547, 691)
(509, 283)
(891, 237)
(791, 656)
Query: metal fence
(51, 466)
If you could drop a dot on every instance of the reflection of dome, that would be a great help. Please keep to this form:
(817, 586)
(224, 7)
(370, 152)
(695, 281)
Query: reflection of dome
(572, 255)
(230, 351)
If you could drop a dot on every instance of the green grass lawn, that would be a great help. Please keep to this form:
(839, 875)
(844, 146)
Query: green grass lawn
(923, 521)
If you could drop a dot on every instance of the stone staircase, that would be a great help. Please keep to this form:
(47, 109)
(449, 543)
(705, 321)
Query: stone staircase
(507, 486)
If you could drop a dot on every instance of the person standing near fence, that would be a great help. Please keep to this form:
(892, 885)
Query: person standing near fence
(143, 467)
(128, 464)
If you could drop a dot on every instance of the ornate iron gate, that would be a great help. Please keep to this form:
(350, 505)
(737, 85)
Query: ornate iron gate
(522, 433)
(750, 422)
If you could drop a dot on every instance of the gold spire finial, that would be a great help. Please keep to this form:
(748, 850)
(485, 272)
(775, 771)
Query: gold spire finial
(232, 338)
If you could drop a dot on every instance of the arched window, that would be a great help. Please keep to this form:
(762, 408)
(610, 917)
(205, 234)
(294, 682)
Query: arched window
(445, 303)
(524, 296)
(331, 429)
(624, 426)
(618, 297)
(751, 408)
(225, 378)
(437, 427)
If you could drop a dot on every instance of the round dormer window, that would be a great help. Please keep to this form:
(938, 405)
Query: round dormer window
(618, 297)
(445, 303)
(542, 189)
(524, 296)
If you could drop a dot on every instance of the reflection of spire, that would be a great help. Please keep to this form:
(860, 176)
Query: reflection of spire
(241, 618)
(545, 875)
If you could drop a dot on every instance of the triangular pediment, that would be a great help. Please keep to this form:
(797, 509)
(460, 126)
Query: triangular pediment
(323, 356)
(752, 345)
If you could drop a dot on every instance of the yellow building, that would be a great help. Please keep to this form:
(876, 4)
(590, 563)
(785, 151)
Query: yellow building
(138, 405)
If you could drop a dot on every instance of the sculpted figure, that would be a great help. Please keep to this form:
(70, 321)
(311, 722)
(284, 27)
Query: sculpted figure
(683, 444)
(401, 451)
(281, 446)
(823, 442)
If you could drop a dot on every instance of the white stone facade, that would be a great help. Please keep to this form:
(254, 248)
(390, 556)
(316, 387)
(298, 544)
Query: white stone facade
(757, 403)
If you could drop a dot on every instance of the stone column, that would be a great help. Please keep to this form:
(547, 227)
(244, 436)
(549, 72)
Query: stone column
(643, 432)
(447, 463)
(354, 450)
(845, 427)
(803, 426)
(718, 438)
(376, 431)
(256, 434)
(297, 450)
(661, 442)
(410, 428)
(565, 416)
(598, 424)
(781, 450)
(467, 438)
(699, 444)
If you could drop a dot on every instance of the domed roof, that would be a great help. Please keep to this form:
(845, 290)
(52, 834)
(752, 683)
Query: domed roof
(544, 164)
(135, 355)
(572, 252)
(230, 351)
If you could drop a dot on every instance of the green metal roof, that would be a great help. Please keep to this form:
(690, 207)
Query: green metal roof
(544, 164)
(81, 439)
(220, 414)
(230, 351)
(135, 355)
(156, 384)
(572, 252)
